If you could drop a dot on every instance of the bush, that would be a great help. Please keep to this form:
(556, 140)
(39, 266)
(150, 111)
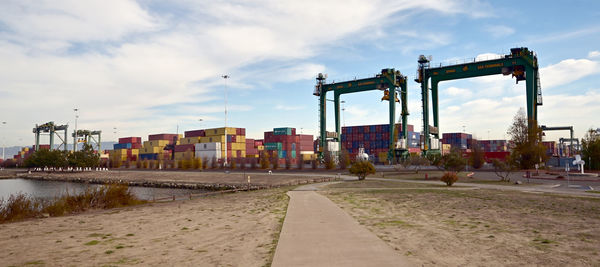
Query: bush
(300, 164)
(204, 163)
(361, 169)
(243, 163)
(232, 164)
(197, 163)
(253, 163)
(288, 163)
(449, 178)
(264, 160)
(454, 161)
(328, 160)
(21, 206)
(138, 164)
(275, 161)
(344, 159)
(145, 164)
(314, 164)
(214, 163)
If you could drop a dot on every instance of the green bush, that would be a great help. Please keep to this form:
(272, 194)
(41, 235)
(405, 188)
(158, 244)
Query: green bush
(361, 169)
(449, 178)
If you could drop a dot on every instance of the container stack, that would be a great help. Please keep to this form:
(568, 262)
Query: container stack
(236, 143)
(306, 147)
(26, 152)
(154, 148)
(374, 139)
(493, 145)
(254, 148)
(128, 148)
(551, 148)
(208, 150)
(285, 143)
(458, 140)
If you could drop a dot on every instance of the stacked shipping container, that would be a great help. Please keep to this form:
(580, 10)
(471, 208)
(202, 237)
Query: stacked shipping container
(154, 148)
(285, 143)
(551, 148)
(128, 148)
(375, 139)
(458, 140)
(493, 145)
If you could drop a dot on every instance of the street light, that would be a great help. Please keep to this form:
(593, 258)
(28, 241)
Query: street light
(115, 133)
(75, 132)
(3, 144)
(225, 77)
(343, 109)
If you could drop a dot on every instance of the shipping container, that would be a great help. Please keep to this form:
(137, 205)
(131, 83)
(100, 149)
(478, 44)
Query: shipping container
(208, 146)
(184, 148)
(208, 154)
(125, 140)
(165, 136)
(195, 133)
(282, 131)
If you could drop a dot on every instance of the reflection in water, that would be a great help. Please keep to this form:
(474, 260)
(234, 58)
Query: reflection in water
(51, 189)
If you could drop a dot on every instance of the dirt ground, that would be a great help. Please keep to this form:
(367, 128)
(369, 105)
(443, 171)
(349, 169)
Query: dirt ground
(238, 229)
(200, 177)
(458, 227)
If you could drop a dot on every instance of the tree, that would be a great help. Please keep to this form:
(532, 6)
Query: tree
(344, 159)
(275, 160)
(361, 169)
(528, 149)
(503, 169)
(328, 160)
(288, 163)
(477, 157)
(436, 160)
(454, 161)
(449, 178)
(591, 149)
(417, 161)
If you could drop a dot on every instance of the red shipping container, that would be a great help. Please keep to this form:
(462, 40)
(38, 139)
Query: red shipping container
(136, 146)
(184, 148)
(133, 140)
(163, 136)
(195, 133)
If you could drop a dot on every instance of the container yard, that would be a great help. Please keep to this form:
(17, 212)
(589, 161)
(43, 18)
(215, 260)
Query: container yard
(374, 139)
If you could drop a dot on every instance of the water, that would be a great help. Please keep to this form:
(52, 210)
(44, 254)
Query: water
(51, 189)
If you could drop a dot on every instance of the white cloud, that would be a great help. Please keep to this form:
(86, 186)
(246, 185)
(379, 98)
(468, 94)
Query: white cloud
(498, 31)
(566, 71)
(117, 59)
(460, 92)
(594, 54)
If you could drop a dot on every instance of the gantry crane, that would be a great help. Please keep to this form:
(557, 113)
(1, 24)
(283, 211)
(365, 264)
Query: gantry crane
(562, 128)
(87, 137)
(51, 128)
(387, 81)
(521, 63)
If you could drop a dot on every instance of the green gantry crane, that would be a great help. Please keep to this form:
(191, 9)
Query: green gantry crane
(561, 128)
(88, 138)
(387, 81)
(521, 63)
(51, 128)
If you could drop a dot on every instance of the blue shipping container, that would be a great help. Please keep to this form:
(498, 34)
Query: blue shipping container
(122, 146)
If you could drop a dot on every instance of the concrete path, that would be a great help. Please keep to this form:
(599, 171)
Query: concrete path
(316, 232)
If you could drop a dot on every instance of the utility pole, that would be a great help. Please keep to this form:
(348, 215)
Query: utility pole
(225, 77)
(75, 132)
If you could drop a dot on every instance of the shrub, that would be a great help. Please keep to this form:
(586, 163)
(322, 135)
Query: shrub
(204, 163)
(449, 178)
(214, 163)
(145, 164)
(243, 163)
(264, 160)
(454, 161)
(138, 164)
(232, 164)
(288, 163)
(314, 164)
(344, 159)
(197, 163)
(328, 160)
(275, 161)
(253, 163)
(300, 163)
(361, 169)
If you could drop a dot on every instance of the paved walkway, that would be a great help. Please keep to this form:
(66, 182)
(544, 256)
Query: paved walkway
(316, 232)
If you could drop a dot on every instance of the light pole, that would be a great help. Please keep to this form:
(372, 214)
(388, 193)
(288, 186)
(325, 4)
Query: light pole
(3, 144)
(115, 133)
(343, 109)
(225, 77)
(75, 132)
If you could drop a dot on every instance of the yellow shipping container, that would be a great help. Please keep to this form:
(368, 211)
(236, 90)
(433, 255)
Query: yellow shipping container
(240, 139)
(135, 151)
(219, 131)
(151, 150)
(156, 143)
(120, 152)
(190, 140)
(251, 156)
(182, 155)
(260, 148)
(213, 139)
(238, 146)
(309, 156)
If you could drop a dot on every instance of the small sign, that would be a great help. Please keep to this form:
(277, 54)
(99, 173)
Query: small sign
(248, 178)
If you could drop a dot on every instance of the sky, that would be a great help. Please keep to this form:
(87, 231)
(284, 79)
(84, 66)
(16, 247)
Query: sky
(134, 68)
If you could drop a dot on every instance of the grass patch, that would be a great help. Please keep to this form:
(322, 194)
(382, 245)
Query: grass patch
(108, 252)
(381, 184)
(38, 262)
(92, 243)
(22, 206)
(593, 191)
(129, 235)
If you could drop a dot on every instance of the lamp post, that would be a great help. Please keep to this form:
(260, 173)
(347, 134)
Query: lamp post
(75, 132)
(3, 144)
(343, 109)
(225, 77)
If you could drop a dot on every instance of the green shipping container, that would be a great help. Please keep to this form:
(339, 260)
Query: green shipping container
(293, 154)
(273, 146)
(282, 131)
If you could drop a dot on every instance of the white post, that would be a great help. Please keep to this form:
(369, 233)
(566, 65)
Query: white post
(75, 139)
(3, 144)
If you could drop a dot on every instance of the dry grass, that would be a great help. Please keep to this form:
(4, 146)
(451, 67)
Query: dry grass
(21, 206)
(482, 227)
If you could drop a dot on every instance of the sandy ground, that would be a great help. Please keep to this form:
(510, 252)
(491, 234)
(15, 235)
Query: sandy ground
(194, 177)
(238, 229)
(459, 227)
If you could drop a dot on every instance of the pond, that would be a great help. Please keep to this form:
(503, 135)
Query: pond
(51, 189)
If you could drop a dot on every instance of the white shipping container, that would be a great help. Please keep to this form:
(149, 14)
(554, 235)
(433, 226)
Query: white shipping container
(208, 154)
(307, 152)
(208, 146)
(333, 146)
